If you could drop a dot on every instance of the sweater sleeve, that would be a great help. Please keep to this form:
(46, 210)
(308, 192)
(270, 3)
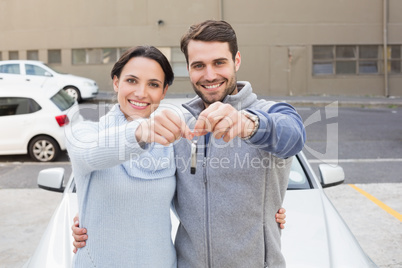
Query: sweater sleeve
(91, 148)
(281, 130)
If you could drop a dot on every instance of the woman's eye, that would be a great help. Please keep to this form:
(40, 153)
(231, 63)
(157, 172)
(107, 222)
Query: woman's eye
(131, 80)
(154, 85)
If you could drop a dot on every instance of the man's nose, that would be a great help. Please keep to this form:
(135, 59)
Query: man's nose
(210, 73)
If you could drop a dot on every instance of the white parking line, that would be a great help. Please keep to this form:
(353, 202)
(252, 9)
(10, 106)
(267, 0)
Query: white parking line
(336, 161)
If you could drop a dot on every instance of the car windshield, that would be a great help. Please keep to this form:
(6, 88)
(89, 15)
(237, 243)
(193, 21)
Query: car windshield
(297, 177)
(62, 100)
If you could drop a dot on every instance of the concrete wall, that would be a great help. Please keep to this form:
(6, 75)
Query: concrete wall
(275, 37)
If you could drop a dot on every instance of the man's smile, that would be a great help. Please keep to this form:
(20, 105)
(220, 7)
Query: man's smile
(213, 86)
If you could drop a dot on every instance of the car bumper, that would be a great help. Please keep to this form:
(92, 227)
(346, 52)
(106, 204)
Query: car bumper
(88, 92)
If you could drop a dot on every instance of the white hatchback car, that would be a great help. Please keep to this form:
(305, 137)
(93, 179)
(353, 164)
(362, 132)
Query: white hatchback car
(36, 73)
(33, 120)
(315, 236)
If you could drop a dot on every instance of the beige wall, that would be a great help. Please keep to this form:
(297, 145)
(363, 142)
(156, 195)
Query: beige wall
(269, 31)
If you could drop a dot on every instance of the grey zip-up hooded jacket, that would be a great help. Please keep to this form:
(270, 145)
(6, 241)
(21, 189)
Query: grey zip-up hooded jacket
(227, 208)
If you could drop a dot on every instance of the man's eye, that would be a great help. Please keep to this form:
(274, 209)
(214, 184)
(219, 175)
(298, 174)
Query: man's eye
(198, 66)
(220, 63)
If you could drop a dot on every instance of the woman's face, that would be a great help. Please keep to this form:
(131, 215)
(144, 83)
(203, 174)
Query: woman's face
(140, 87)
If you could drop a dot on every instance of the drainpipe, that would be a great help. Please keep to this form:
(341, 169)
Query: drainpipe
(385, 42)
(221, 9)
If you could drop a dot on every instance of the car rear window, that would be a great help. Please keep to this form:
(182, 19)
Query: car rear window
(62, 100)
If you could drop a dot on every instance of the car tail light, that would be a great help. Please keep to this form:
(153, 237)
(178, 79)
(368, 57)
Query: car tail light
(62, 120)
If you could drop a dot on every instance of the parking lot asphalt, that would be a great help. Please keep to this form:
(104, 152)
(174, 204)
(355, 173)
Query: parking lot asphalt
(26, 213)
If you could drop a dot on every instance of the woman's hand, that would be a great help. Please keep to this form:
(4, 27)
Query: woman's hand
(79, 235)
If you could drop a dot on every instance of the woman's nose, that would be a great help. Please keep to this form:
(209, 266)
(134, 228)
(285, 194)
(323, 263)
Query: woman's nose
(140, 91)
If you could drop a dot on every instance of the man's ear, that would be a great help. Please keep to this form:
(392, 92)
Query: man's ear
(237, 61)
(116, 83)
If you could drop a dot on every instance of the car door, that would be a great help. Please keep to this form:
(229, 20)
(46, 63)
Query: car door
(11, 73)
(16, 119)
(35, 74)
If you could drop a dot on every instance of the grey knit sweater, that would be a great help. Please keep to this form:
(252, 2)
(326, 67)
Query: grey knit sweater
(124, 195)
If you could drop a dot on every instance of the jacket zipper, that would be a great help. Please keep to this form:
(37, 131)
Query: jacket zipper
(204, 165)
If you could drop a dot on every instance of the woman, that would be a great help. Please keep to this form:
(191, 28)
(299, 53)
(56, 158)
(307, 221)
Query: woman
(126, 207)
(125, 177)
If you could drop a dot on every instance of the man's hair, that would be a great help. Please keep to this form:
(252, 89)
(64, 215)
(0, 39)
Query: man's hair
(149, 52)
(210, 31)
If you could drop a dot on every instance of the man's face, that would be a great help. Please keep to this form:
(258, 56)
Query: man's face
(212, 70)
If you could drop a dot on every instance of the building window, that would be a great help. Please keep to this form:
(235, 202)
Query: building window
(347, 60)
(369, 57)
(323, 60)
(1, 56)
(54, 56)
(178, 62)
(32, 55)
(394, 59)
(96, 55)
(13, 55)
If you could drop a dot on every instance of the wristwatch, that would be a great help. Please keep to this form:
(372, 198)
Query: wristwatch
(253, 118)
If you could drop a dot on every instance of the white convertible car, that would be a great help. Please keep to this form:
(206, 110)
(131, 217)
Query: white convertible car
(315, 234)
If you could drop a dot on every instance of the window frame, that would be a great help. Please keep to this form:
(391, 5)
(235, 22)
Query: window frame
(96, 56)
(336, 61)
(56, 54)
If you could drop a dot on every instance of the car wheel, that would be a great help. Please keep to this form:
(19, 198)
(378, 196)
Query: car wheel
(73, 92)
(43, 149)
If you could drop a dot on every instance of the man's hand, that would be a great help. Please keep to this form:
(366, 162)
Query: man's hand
(79, 235)
(280, 217)
(165, 127)
(223, 120)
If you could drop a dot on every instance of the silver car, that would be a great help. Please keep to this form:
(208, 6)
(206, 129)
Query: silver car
(315, 234)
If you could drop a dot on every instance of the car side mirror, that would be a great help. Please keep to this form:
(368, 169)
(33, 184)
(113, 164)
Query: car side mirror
(331, 175)
(51, 179)
(47, 74)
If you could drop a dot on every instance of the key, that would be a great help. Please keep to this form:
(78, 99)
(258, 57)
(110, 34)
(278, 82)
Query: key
(193, 157)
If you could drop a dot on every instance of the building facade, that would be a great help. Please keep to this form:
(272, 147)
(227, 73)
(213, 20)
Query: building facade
(293, 47)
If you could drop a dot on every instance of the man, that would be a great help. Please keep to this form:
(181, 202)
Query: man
(245, 148)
